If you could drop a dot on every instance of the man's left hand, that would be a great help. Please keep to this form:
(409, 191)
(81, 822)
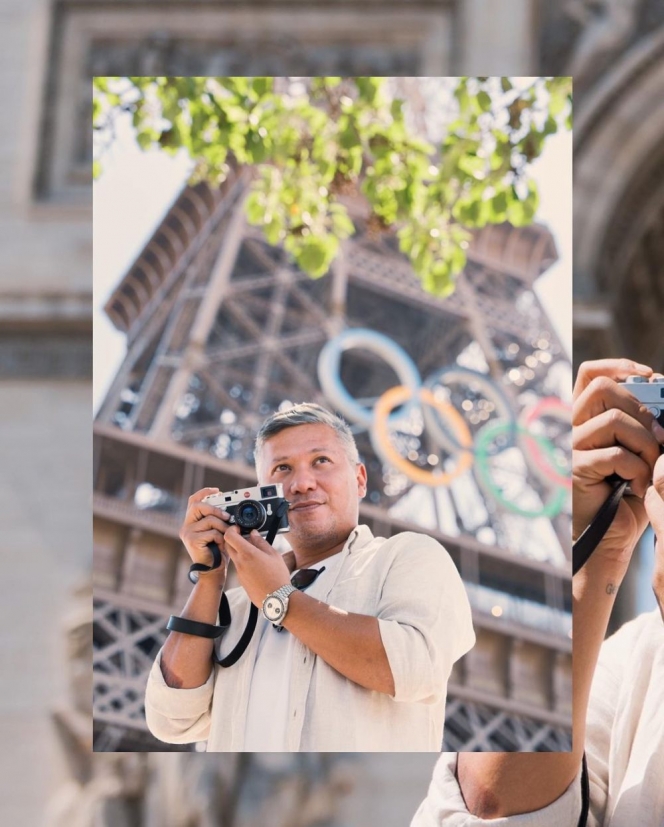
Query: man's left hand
(261, 569)
(654, 503)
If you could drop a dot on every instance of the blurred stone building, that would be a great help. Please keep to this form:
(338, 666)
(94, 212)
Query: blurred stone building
(616, 53)
(49, 50)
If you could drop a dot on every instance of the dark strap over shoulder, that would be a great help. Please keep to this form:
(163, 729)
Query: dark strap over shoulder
(585, 794)
(592, 535)
(242, 643)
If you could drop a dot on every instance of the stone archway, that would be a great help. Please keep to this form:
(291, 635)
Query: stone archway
(619, 210)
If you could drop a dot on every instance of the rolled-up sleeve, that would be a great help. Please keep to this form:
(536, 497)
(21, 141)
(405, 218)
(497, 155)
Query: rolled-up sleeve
(177, 716)
(424, 619)
(444, 805)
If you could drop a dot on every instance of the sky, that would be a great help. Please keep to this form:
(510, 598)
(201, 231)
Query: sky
(137, 188)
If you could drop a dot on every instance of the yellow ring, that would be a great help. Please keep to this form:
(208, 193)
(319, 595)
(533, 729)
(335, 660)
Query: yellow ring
(381, 432)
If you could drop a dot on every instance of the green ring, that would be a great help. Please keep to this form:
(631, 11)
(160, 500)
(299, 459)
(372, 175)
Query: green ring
(482, 439)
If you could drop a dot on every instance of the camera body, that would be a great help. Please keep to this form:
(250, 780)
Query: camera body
(650, 394)
(252, 508)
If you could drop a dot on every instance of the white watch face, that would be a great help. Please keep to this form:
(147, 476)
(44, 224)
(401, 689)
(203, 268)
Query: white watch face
(274, 608)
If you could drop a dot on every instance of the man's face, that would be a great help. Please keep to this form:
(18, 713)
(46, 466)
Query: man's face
(320, 481)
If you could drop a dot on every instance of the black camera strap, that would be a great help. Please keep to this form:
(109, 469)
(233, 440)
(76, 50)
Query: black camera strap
(592, 535)
(210, 630)
(195, 568)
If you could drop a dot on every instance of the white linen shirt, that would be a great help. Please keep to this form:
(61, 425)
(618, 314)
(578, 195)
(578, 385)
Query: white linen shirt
(267, 710)
(624, 746)
(410, 583)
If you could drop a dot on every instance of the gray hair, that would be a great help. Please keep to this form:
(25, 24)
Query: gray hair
(307, 413)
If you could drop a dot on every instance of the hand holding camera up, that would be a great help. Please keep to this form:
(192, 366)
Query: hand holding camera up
(203, 524)
(614, 433)
(211, 513)
(253, 513)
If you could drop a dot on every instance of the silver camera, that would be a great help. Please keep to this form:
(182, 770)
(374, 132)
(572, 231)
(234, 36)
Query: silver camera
(650, 394)
(252, 509)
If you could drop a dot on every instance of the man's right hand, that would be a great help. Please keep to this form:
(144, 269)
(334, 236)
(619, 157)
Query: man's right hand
(205, 524)
(612, 434)
(186, 659)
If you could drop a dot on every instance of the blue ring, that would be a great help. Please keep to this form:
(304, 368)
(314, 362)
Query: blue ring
(329, 364)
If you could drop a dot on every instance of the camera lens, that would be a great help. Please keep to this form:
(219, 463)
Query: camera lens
(250, 515)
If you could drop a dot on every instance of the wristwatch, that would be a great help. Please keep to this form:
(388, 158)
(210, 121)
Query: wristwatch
(275, 605)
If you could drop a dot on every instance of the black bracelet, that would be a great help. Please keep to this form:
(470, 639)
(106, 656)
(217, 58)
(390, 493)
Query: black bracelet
(209, 630)
(194, 627)
(196, 568)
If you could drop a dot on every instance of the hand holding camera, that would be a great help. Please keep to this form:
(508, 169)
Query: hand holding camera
(210, 514)
(615, 433)
(204, 524)
(252, 514)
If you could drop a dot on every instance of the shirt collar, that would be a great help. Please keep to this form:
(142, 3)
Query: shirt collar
(359, 537)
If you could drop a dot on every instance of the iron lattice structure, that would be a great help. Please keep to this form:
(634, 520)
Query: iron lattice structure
(221, 330)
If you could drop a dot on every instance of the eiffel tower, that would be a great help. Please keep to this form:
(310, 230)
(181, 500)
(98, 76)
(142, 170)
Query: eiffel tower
(222, 329)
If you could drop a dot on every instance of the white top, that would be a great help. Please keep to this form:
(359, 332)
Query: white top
(267, 710)
(624, 746)
(410, 583)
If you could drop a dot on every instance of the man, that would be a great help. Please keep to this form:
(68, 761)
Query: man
(618, 685)
(365, 653)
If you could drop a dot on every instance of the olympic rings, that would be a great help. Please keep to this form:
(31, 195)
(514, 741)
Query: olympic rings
(380, 437)
(483, 439)
(556, 408)
(475, 379)
(446, 426)
(329, 363)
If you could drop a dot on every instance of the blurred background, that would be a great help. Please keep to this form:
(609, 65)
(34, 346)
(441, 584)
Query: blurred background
(49, 52)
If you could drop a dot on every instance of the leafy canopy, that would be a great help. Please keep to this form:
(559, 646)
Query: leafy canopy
(312, 141)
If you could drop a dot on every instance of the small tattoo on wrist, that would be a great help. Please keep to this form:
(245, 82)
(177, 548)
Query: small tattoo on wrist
(610, 588)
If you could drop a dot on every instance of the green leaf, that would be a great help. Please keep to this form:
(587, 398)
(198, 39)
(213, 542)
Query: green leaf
(262, 86)
(471, 164)
(273, 232)
(341, 223)
(484, 100)
(467, 212)
(145, 139)
(396, 109)
(369, 88)
(310, 150)
(516, 214)
(315, 255)
(255, 208)
(499, 205)
(256, 148)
